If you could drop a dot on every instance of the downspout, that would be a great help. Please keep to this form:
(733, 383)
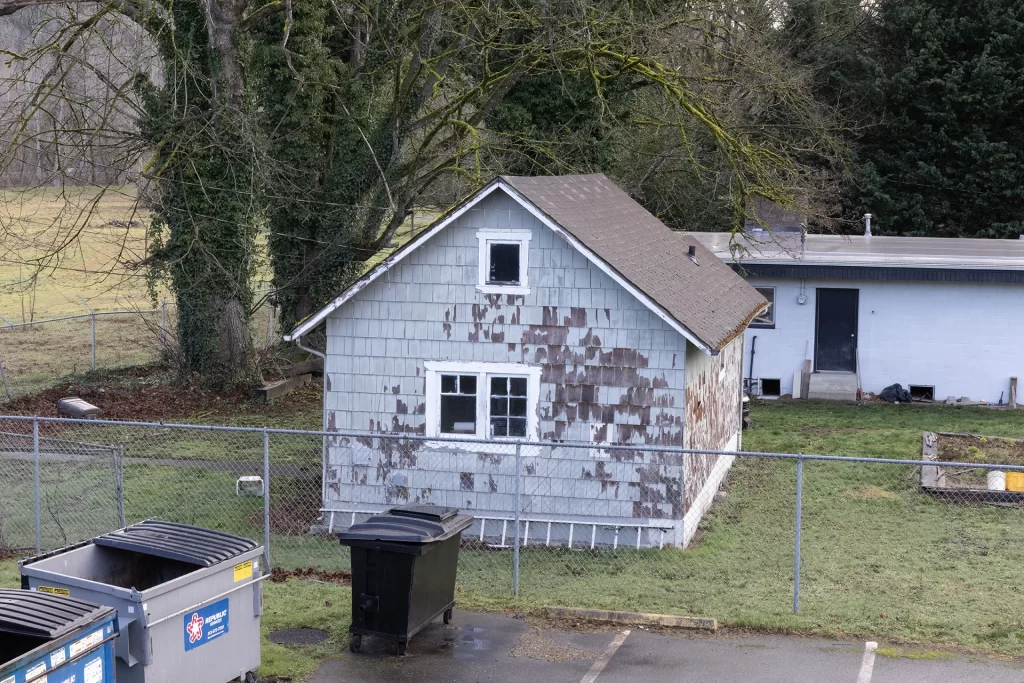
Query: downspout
(323, 453)
(750, 376)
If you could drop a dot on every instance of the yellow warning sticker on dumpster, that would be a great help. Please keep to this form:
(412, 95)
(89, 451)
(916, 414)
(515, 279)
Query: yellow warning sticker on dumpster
(243, 571)
(54, 591)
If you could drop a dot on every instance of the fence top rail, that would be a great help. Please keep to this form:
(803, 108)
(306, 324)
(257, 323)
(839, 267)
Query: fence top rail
(512, 444)
(76, 316)
(56, 441)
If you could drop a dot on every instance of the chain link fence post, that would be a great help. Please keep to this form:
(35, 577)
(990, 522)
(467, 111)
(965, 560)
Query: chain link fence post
(163, 328)
(270, 325)
(796, 560)
(682, 495)
(92, 323)
(518, 505)
(119, 469)
(35, 478)
(266, 496)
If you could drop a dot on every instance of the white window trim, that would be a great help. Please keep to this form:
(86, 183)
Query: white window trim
(483, 371)
(520, 237)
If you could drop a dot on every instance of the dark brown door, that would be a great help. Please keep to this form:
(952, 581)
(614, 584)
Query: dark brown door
(835, 337)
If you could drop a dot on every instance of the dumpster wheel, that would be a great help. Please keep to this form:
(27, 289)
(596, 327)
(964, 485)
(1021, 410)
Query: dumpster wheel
(251, 677)
(355, 642)
(448, 616)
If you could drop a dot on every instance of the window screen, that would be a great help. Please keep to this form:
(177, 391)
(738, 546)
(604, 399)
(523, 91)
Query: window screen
(508, 406)
(504, 264)
(458, 404)
(766, 319)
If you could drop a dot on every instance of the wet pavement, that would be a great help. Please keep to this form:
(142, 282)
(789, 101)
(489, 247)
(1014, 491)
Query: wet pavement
(491, 647)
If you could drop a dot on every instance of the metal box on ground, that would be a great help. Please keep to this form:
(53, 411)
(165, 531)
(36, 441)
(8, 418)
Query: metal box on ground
(188, 599)
(53, 638)
(404, 563)
(76, 407)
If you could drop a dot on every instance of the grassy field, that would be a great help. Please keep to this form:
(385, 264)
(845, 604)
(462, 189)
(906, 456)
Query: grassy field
(101, 236)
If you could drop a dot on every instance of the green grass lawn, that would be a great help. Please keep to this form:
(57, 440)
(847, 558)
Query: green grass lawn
(879, 559)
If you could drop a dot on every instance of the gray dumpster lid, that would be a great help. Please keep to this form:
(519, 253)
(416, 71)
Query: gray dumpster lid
(172, 541)
(40, 615)
(409, 524)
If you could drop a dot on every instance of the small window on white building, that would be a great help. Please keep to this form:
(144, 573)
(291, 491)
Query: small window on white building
(767, 317)
(481, 400)
(504, 261)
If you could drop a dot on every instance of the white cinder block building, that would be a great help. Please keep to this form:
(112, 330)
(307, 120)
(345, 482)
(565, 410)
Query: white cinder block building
(553, 310)
(944, 317)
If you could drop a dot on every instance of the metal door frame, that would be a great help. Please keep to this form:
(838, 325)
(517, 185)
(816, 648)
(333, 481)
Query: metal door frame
(856, 324)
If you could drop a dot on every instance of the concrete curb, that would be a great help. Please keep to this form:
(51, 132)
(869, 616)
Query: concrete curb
(638, 618)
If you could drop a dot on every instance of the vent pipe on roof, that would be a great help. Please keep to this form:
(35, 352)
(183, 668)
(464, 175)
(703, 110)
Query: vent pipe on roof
(867, 225)
(692, 253)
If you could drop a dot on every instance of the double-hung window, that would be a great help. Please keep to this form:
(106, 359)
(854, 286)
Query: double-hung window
(482, 400)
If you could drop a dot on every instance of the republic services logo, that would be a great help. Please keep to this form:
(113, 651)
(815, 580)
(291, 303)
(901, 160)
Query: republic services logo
(195, 628)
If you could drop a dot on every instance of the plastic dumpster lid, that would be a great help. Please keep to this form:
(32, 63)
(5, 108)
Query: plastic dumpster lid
(435, 513)
(172, 541)
(409, 524)
(41, 615)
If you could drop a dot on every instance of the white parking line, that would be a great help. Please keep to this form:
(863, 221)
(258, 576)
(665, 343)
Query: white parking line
(867, 664)
(601, 662)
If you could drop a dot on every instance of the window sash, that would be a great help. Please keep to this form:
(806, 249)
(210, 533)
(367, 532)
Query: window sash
(505, 403)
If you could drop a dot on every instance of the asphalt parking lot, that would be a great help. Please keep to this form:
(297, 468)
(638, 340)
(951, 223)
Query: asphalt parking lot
(490, 647)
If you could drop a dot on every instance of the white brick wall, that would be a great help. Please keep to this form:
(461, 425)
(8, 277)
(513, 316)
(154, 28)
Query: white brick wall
(965, 339)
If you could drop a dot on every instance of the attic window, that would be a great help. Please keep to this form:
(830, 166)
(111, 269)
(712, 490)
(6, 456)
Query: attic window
(503, 268)
(504, 256)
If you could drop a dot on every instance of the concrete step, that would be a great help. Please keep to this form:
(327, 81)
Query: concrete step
(833, 386)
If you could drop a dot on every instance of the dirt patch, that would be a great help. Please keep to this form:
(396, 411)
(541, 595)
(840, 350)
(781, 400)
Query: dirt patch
(292, 516)
(152, 393)
(980, 449)
(870, 493)
(341, 576)
(970, 448)
(536, 645)
(146, 392)
(298, 636)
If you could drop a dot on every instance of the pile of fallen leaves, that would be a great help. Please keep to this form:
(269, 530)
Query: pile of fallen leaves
(145, 393)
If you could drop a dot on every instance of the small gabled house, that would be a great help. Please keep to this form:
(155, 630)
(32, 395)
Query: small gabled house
(553, 310)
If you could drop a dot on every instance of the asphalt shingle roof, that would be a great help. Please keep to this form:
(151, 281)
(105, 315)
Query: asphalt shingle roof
(707, 297)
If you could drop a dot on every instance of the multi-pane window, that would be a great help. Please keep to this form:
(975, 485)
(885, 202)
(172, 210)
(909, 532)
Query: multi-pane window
(482, 400)
(508, 406)
(458, 404)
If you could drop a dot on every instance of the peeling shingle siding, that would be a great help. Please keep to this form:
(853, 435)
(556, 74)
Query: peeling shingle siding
(612, 372)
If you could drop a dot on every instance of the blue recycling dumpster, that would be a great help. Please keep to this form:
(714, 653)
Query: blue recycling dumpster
(52, 638)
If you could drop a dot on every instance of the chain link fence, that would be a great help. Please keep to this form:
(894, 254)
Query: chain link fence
(35, 355)
(853, 545)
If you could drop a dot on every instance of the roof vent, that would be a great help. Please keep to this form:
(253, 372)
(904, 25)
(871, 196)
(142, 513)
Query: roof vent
(867, 225)
(692, 253)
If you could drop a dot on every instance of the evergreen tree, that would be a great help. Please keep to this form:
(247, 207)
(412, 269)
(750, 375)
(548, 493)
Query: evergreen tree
(946, 158)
